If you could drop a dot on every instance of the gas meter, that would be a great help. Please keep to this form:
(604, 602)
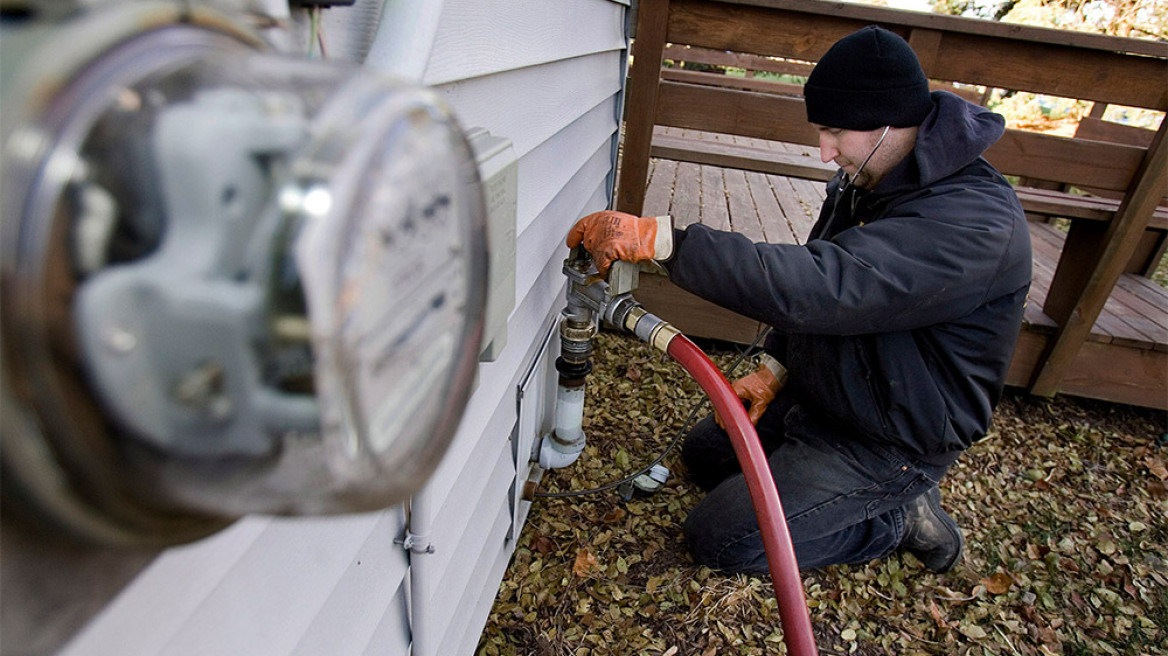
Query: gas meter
(233, 281)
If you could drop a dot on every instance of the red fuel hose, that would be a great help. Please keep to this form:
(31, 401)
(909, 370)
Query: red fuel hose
(776, 539)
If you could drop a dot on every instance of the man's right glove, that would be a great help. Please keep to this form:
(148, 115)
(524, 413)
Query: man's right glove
(759, 388)
(611, 236)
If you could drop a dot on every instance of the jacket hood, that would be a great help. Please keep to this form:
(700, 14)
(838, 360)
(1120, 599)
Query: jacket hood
(952, 136)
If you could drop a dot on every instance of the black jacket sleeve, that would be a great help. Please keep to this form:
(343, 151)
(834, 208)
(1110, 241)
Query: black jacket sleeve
(932, 258)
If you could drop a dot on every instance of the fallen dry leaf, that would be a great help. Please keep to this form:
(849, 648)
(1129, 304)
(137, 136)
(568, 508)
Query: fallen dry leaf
(613, 516)
(585, 563)
(973, 631)
(937, 616)
(1156, 466)
(999, 583)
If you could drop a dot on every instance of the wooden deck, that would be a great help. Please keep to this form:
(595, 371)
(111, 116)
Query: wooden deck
(1125, 358)
(1121, 231)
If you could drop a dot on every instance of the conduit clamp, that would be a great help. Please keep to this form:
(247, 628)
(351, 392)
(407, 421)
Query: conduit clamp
(413, 544)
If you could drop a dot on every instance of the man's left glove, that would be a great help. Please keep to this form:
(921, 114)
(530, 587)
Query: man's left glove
(758, 388)
(611, 236)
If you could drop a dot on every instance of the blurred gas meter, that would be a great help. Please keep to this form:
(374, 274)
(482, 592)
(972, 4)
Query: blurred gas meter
(233, 281)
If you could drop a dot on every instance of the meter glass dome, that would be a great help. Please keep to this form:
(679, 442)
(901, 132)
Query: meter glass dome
(234, 282)
(391, 260)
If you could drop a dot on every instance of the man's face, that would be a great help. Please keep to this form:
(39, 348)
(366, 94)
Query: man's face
(849, 148)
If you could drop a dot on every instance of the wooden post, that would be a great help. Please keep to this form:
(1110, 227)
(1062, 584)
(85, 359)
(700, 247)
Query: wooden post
(648, 51)
(927, 45)
(1088, 272)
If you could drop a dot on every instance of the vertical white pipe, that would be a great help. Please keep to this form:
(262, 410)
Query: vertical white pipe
(567, 440)
(405, 38)
(570, 414)
(402, 46)
(420, 521)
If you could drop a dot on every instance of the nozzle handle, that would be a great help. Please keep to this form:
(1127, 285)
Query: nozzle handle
(623, 277)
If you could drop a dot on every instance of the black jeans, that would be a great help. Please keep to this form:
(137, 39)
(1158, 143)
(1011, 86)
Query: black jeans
(843, 496)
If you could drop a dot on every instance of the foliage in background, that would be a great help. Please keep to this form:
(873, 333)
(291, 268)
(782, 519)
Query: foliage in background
(1160, 275)
(780, 77)
(988, 10)
(1146, 19)
(1039, 113)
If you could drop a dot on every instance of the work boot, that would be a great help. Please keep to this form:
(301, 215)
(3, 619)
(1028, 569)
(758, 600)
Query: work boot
(930, 533)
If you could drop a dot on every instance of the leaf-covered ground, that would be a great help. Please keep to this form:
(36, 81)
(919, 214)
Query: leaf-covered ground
(1064, 508)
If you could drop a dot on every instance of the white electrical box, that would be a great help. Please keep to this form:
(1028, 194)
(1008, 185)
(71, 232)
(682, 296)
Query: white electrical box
(500, 177)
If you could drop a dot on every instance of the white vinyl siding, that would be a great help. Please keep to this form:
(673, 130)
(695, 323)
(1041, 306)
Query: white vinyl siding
(549, 79)
(263, 586)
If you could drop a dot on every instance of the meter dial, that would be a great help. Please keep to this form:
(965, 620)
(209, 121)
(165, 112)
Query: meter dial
(392, 260)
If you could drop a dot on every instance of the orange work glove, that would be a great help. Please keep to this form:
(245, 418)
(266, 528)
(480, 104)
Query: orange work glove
(759, 388)
(611, 236)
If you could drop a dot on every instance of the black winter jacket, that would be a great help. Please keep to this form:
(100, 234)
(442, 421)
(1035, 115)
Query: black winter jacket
(900, 322)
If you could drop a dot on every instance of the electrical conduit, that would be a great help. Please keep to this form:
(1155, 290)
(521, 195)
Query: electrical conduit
(772, 522)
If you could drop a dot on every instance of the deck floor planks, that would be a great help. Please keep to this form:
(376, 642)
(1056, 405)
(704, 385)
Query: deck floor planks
(799, 216)
(660, 190)
(1133, 320)
(1152, 289)
(1127, 326)
(770, 215)
(799, 199)
(1043, 269)
(1148, 301)
(1134, 316)
(714, 212)
(744, 218)
(686, 205)
(742, 215)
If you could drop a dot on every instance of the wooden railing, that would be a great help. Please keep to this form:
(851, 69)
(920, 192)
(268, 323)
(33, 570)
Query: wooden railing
(752, 64)
(1105, 234)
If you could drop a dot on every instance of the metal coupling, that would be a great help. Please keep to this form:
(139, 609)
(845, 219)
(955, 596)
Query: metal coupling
(650, 328)
(577, 332)
(575, 361)
(617, 310)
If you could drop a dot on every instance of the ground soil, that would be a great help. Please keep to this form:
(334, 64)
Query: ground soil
(1064, 507)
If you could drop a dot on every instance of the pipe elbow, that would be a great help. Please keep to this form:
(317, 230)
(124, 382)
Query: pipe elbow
(555, 454)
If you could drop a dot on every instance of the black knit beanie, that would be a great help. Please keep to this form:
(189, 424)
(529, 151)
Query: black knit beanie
(867, 80)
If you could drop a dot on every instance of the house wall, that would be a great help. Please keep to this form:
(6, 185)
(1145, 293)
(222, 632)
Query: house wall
(550, 81)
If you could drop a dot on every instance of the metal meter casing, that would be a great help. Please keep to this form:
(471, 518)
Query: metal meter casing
(109, 125)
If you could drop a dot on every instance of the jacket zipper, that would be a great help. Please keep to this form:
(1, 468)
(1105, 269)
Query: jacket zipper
(877, 398)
